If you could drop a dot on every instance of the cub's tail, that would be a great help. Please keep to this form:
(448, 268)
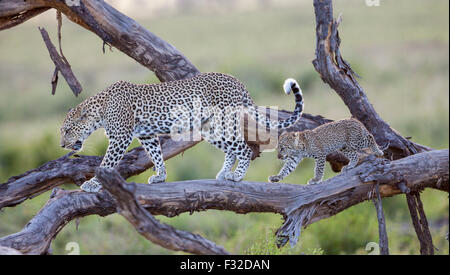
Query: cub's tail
(288, 86)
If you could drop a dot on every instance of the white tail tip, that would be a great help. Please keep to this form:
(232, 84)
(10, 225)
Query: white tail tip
(288, 83)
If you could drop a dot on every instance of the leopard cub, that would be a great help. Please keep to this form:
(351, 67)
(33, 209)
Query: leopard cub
(347, 136)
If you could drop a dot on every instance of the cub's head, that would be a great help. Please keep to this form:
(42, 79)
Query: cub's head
(77, 126)
(290, 144)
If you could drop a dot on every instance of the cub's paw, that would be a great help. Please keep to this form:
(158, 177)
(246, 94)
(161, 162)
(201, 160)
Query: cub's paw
(312, 182)
(91, 186)
(274, 178)
(156, 179)
(233, 177)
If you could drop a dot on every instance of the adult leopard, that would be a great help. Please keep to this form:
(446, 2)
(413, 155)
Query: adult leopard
(144, 111)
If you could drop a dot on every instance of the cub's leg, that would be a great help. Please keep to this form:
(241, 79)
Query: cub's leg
(116, 149)
(289, 165)
(230, 159)
(153, 148)
(352, 156)
(318, 170)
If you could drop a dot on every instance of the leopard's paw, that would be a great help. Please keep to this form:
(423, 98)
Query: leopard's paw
(156, 179)
(91, 186)
(233, 177)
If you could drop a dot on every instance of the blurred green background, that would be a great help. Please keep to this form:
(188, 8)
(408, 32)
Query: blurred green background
(400, 49)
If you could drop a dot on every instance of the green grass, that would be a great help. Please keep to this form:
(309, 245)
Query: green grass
(400, 49)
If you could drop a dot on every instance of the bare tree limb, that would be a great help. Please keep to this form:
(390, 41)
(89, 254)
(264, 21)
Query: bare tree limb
(113, 28)
(383, 237)
(156, 232)
(420, 223)
(337, 73)
(300, 205)
(61, 65)
(9, 21)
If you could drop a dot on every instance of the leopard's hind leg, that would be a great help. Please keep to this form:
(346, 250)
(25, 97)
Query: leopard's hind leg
(234, 150)
(244, 155)
(153, 148)
(228, 164)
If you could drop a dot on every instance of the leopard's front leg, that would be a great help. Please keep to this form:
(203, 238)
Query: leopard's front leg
(289, 165)
(118, 144)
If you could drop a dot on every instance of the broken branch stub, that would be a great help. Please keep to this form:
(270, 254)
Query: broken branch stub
(61, 66)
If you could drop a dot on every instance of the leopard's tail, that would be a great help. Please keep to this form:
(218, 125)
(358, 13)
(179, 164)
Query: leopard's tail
(288, 86)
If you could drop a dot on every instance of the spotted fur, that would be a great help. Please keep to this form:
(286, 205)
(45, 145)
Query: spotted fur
(129, 111)
(347, 136)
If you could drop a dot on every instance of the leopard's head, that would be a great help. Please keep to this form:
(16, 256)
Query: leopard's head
(290, 144)
(79, 123)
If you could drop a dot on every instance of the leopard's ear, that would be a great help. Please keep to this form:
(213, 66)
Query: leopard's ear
(83, 113)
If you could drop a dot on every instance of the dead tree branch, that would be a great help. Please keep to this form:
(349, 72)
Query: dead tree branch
(337, 73)
(114, 28)
(161, 234)
(420, 223)
(61, 65)
(300, 205)
(382, 232)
